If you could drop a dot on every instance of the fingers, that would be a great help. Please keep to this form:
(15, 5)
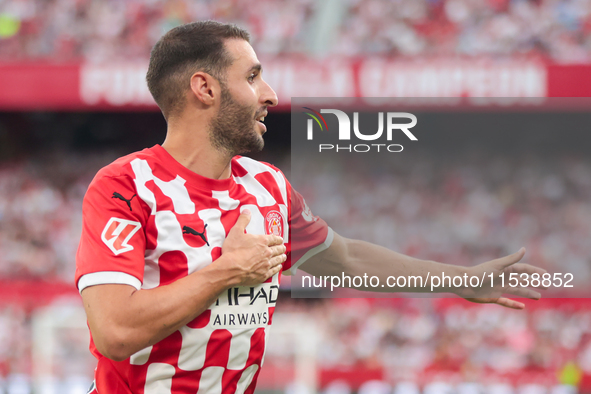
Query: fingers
(276, 269)
(511, 259)
(243, 220)
(277, 250)
(278, 260)
(274, 240)
(530, 270)
(523, 292)
(508, 303)
(276, 265)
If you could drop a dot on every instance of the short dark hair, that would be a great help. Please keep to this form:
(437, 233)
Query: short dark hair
(184, 50)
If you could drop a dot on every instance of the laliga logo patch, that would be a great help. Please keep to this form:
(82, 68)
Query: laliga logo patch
(117, 233)
(274, 223)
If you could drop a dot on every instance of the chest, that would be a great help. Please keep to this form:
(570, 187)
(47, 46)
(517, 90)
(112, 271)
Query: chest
(185, 232)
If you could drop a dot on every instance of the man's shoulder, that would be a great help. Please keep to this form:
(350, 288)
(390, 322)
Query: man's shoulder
(122, 166)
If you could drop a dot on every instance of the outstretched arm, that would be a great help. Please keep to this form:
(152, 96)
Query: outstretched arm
(358, 258)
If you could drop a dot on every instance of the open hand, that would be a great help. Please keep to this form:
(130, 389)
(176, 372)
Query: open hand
(493, 287)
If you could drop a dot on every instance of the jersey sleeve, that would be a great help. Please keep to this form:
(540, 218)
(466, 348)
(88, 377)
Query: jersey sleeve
(113, 241)
(308, 234)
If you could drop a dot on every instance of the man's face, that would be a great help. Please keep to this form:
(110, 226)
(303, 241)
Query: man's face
(245, 96)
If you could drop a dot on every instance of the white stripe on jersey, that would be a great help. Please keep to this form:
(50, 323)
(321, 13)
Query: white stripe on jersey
(239, 348)
(226, 202)
(254, 168)
(211, 380)
(252, 186)
(246, 378)
(257, 221)
(143, 173)
(195, 340)
(141, 357)
(175, 189)
(216, 233)
(159, 379)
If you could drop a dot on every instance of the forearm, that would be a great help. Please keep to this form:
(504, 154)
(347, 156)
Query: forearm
(359, 258)
(128, 320)
(373, 260)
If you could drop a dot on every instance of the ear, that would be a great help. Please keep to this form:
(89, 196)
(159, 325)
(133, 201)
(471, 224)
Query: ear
(204, 87)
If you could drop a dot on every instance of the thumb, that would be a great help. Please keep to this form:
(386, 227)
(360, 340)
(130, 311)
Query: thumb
(511, 259)
(243, 220)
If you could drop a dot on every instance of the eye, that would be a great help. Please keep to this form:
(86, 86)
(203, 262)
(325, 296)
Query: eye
(252, 76)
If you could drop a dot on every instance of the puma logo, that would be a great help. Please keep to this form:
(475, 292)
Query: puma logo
(189, 230)
(119, 196)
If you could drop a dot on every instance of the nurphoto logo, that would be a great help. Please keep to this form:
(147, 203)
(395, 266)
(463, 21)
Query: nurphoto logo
(344, 130)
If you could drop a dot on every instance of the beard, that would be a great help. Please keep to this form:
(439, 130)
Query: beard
(233, 129)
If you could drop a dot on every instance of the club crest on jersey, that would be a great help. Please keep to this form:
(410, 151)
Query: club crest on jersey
(117, 233)
(274, 223)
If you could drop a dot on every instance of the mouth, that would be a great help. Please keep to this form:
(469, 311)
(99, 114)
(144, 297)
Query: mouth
(260, 119)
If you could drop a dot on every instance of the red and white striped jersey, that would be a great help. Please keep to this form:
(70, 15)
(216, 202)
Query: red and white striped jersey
(148, 221)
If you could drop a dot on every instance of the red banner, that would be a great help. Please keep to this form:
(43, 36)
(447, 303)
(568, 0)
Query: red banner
(74, 87)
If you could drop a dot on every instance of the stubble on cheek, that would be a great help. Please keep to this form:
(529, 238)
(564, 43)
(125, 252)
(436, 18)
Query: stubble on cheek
(233, 130)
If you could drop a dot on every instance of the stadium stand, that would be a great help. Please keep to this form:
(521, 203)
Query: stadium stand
(104, 31)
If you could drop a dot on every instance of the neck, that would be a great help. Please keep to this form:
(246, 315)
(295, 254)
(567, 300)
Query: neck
(188, 142)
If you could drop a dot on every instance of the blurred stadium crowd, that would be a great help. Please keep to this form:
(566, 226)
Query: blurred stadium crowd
(104, 31)
(41, 218)
(466, 210)
(443, 340)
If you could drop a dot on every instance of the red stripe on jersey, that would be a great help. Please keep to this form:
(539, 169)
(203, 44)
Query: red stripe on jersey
(186, 384)
(164, 202)
(253, 384)
(230, 381)
(201, 321)
(257, 346)
(243, 196)
(218, 349)
(108, 378)
(151, 233)
(216, 253)
(266, 178)
(166, 351)
(173, 265)
(238, 170)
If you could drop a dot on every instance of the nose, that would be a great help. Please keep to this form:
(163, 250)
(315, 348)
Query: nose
(268, 95)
